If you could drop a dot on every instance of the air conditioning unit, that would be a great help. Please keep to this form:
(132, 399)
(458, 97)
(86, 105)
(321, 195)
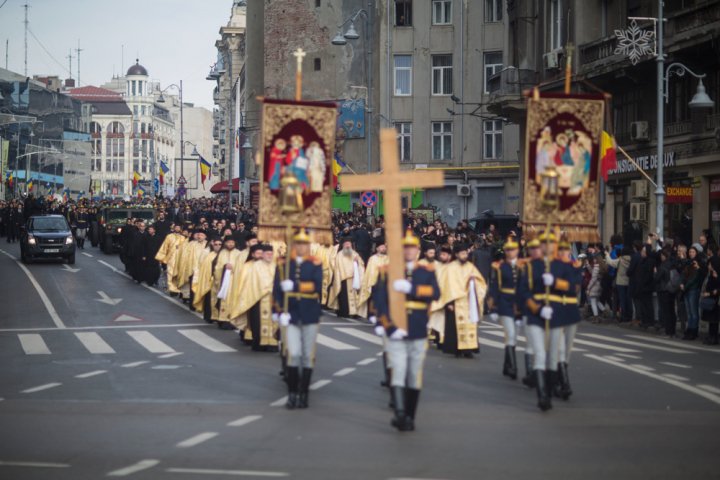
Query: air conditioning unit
(551, 60)
(464, 190)
(639, 189)
(638, 212)
(640, 131)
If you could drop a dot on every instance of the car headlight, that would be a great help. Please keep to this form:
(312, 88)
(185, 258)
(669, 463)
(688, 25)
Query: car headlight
(69, 240)
(31, 240)
(119, 229)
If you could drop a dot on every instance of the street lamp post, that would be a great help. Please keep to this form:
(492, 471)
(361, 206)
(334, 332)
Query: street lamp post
(182, 133)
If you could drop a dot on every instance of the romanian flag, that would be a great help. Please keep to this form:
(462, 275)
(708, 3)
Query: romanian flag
(9, 179)
(136, 178)
(140, 191)
(163, 170)
(30, 185)
(337, 166)
(237, 138)
(204, 170)
(608, 156)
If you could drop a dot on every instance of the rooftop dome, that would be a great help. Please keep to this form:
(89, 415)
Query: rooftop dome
(137, 69)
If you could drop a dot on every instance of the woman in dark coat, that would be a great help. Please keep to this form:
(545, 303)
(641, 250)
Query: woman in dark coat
(710, 295)
(643, 280)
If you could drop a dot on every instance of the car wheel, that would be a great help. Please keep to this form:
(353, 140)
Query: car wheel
(71, 259)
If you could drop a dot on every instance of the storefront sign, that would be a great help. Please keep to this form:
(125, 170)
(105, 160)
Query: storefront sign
(678, 194)
(715, 189)
(645, 162)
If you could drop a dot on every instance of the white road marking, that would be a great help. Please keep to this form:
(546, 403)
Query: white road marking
(334, 344)
(68, 268)
(91, 374)
(2, 399)
(367, 361)
(689, 388)
(604, 346)
(197, 439)
(343, 372)
(43, 296)
(47, 386)
(134, 364)
(368, 337)
(676, 365)
(94, 343)
(280, 402)
(710, 389)
(126, 318)
(165, 367)
(237, 473)
(33, 344)
(150, 342)
(716, 372)
(674, 343)
(635, 344)
(241, 422)
(206, 341)
(105, 298)
(106, 327)
(4, 463)
(170, 355)
(501, 346)
(672, 376)
(114, 269)
(138, 467)
(614, 358)
(642, 367)
(627, 355)
(319, 384)
(86, 254)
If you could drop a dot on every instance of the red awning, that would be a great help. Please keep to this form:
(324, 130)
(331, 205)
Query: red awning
(222, 187)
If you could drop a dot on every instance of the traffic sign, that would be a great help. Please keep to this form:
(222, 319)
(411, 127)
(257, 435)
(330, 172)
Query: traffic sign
(368, 199)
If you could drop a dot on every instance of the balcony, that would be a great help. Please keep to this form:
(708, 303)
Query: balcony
(506, 88)
(692, 22)
(598, 57)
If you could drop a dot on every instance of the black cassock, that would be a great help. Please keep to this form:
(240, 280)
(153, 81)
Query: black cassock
(134, 252)
(150, 266)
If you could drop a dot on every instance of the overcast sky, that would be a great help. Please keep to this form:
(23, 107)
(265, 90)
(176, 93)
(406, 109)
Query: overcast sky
(174, 39)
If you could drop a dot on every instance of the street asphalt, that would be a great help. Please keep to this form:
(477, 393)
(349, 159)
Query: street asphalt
(103, 378)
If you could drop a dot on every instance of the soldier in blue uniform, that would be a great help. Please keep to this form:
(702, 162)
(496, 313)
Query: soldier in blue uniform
(407, 348)
(503, 302)
(534, 253)
(302, 286)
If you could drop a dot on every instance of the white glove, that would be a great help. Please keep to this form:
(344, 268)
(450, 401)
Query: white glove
(284, 319)
(275, 317)
(494, 317)
(379, 331)
(548, 279)
(402, 286)
(546, 312)
(373, 319)
(398, 334)
(287, 285)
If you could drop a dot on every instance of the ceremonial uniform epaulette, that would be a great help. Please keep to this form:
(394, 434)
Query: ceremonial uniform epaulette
(315, 260)
(521, 262)
(577, 263)
(426, 266)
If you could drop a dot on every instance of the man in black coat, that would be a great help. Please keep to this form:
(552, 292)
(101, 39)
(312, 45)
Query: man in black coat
(363, 242)
(135, 252)
(150, 267)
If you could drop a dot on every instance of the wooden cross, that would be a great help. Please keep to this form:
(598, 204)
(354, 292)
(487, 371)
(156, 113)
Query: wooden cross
(391, 182)
(299, 55)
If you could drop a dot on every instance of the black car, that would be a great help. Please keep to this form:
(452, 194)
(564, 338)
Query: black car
(111, 222)
(47, 236)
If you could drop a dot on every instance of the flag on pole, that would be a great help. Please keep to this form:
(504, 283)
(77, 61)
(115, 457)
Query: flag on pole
(163, 170)
(608, 155)
(204, 170)
(140, 191)
(30, 185)
(9, 179)
(337, 166)
(136, 178)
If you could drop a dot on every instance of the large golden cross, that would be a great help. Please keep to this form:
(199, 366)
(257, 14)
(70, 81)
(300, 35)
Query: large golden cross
(391, 182)
(299, 55)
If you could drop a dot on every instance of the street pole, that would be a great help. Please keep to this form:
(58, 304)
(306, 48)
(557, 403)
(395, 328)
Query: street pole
(27, 171)
(182, 137)
(660, 191)
(368, 57)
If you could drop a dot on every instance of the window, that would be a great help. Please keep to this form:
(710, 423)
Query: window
(442, 140)
(136, 165)
(442, 75)
(493, 64)
(403, 13)
(134, 87)
(493, 11)
(403, 75)
(555, 24)
(140, 88)
(317, 63)
(442, 12)
(493, 139)
(404, 130)
(136, 148)
(136, 110)
(144, 111)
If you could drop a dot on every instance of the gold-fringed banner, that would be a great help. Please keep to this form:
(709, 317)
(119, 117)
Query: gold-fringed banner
(563, 133)
(298, 142)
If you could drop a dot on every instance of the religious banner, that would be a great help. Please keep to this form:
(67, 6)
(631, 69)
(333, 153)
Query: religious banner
(563, 136)
(298, 143)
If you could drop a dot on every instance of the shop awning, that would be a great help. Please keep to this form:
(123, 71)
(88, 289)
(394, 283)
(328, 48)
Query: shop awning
(222, 187)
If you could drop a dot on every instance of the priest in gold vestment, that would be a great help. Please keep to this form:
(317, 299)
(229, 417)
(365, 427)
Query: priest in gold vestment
(188, 262)
(167, 255)
(205, 288)
(228, 265)
(348, 270)
(372, 271)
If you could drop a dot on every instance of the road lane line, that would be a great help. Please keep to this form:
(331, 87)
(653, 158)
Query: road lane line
(91, 374)
(627, 355)
(206, 341)
(170, 355)
(367, 361)
(33, 344)
(43, 296)
(320, 384)
(236, 473)
(604, 346)
(354, 332)
(40, 388)
(5, 463)
(87, 254)
(197, 439)
(106, 327)
(114, 269)
(94, 343)
(614, 358)
(634, 344)
(150, 342)
(674, 343)
(672, 376)
(165, 367)
(710, 388)
(280, 402)
(716, 372)
(689, 388)
(642, 367)
(241, 422)
(676, 365)
(334, 344)
(343, 372)
(138, 467)
(134, 364)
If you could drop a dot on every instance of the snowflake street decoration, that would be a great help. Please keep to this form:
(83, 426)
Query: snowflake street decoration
(635, 42)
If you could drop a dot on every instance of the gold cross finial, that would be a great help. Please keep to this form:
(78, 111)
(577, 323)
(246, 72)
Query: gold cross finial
(299, 55)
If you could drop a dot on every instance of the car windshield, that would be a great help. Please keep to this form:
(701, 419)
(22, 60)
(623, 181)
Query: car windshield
(144, 214)
(49, 224)
(114, 216)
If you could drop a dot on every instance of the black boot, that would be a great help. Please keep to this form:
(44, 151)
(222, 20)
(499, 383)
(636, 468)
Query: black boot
(400, 419)
(553, 383)
(544, 401)
(529, 379)
(412, 396)
(564, 380)
(293, 379)
(510, 366)
(385, 382)
(304, 387)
